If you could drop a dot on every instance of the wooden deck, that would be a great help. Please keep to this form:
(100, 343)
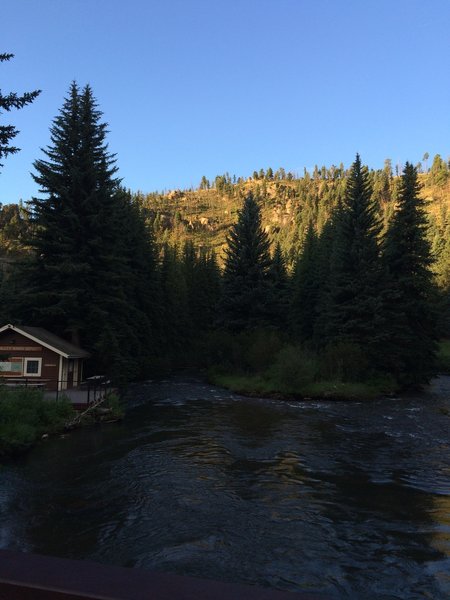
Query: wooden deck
(79, 396)
(91, 391)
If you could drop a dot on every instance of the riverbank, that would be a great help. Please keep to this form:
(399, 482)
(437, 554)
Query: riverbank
(26, 417)
(293, 373)
(259, 385)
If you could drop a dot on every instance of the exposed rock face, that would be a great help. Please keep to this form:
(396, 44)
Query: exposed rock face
(175, 195)
(196, 223)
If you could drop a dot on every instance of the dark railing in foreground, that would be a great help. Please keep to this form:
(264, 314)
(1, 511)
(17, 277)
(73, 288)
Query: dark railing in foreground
(35, 577)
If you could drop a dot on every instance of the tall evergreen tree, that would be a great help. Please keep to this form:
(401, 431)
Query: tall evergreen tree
(320, 276)
(306, 288)
(202, 276)
(175, 303)
(353, 311)
(410, 296)
(87, 244)
(246, 285)
(8, 102)
(279, 281)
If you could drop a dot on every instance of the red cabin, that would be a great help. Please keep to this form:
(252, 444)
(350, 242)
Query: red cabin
(34, 356)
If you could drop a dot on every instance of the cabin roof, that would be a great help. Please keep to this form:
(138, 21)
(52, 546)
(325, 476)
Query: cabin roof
(49, 340)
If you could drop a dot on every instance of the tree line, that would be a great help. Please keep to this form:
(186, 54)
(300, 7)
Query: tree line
(355, 289)
(288, 206)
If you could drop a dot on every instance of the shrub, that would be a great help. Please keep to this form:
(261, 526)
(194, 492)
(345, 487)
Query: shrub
(443, 356)
(263, 347)
(25, 415)
(16, 436)
(224, 349)
(293, 369)
(344, 361)
(113, 402)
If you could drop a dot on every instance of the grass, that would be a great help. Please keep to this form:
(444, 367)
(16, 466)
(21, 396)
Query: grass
(335, 390)
(444, 356)
(244, 384)
(262, 365)
(25, 416)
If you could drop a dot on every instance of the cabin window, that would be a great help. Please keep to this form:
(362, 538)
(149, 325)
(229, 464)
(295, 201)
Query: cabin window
(33, 367)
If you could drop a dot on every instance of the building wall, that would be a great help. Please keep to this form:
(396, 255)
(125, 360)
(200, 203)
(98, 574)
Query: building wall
(14, 347)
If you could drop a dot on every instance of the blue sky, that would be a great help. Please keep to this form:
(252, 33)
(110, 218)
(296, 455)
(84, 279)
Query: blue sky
(200, 87)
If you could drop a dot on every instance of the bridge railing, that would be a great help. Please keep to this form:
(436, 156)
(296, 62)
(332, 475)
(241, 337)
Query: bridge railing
(35, 577)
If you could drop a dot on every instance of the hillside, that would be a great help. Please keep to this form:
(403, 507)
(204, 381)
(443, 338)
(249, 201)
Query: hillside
(288, 206)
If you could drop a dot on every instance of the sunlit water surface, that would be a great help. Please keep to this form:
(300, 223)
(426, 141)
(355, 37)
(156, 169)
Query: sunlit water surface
(349, 500)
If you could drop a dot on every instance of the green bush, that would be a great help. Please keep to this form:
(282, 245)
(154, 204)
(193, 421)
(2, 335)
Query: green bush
(443, 356)
(25, 415)
(293, 369)
(113, 402)
(249, 351)
(16, 436)
(224, 349)
(262, 349)
(343, 361)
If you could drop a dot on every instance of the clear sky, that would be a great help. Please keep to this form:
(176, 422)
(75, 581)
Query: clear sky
(200, 87)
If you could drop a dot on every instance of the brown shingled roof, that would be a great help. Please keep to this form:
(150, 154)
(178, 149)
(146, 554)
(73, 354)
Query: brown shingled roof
(50, 339)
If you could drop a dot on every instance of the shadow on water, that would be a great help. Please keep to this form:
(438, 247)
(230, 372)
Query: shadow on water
(347, 499)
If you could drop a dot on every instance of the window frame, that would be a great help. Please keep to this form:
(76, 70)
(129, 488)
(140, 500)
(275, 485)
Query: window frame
(25, 366)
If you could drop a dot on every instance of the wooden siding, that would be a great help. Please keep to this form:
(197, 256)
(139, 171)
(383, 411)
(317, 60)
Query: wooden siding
(14, 345)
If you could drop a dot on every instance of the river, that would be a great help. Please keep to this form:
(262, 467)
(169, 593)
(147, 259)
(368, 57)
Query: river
(345, 499)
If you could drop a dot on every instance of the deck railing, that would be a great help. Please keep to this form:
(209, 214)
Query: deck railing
(95, 387)
(90, 390)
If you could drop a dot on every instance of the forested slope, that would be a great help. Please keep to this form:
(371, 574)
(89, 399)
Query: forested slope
(289, 205)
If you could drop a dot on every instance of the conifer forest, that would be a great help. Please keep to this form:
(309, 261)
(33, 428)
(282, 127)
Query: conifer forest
(273, 282)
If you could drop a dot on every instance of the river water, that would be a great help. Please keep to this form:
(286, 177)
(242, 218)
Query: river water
(345, 499)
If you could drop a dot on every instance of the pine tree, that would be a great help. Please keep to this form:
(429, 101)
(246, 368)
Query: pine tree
(442, 257)
(175, 303)
(305, 292)
(439, 172)
(88, 244)
(410, 296)
(211, 277)
(246, 286)
(8, 102)
(353, 310)
(202, 276)
(319, 274)
(279, 282)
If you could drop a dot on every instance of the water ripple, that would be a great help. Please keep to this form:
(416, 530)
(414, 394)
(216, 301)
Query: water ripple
(348, 499)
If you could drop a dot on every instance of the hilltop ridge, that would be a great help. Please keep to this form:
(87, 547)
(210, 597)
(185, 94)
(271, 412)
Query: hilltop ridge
(288, 205)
